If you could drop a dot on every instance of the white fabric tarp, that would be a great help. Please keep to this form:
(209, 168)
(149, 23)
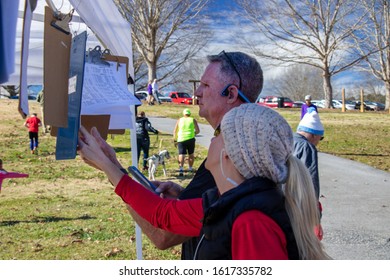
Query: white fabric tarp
(102, 18)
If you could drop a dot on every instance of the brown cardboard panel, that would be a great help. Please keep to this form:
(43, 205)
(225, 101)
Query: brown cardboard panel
(56, 62)
(53, 131)
(101, 122)
(116, 131)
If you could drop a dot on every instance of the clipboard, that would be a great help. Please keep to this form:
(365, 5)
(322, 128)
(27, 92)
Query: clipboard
(97, 56)
(119, 59)
(67, 138)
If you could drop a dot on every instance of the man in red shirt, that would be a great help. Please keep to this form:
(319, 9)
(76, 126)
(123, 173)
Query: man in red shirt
(33, 123)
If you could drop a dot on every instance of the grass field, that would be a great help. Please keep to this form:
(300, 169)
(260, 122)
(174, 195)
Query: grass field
(67, 210)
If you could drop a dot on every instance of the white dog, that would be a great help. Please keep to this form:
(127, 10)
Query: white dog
(155, 160)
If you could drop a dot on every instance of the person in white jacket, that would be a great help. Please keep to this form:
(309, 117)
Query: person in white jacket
(155, 91)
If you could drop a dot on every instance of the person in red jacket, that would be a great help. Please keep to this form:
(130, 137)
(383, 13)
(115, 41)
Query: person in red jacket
(263, 206)
(33, 123)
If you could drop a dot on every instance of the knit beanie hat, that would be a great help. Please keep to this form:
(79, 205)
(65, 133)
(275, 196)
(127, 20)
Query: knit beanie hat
(311, 123)
(258, 141)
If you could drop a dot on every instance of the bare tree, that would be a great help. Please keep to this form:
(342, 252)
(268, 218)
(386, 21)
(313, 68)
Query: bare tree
(312, 32)
(165, 32)
(377, 37)
(298, 81)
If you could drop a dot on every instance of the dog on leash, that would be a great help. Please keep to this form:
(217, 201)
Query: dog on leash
(155, 160)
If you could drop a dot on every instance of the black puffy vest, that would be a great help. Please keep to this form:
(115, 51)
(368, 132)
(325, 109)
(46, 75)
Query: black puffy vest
(221, 211)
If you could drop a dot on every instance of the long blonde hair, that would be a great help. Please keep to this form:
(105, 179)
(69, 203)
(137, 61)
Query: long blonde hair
(303, 210)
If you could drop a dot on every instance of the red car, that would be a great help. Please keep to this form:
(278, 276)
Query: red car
(273, 101)
(180, 97)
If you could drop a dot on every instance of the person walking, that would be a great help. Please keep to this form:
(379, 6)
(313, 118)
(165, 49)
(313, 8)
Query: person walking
(308, 106)
(184, 134)
(249, 215)
(155, 91)
(150, 98)
(143, 127)
(227, 82)
(33, 123)
(41, 101)
(310, 132)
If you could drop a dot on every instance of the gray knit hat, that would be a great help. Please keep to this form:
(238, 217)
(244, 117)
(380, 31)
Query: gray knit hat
(258, 140)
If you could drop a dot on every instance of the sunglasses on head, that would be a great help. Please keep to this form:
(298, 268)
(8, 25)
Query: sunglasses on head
(225, 91)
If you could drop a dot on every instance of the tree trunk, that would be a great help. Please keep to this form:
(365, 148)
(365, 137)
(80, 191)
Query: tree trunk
(152, 71)
(387, 94)
(328, 90)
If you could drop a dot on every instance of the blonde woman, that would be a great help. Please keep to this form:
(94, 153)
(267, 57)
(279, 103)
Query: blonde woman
(263, 206)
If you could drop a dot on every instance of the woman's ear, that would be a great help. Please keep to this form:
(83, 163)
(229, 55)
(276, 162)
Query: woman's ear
(224, 154)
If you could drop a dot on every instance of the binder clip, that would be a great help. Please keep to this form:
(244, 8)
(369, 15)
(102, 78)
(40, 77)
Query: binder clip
(62, 21)
(95, 56)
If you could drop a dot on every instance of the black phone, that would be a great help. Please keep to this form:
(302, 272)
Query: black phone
(140, 178)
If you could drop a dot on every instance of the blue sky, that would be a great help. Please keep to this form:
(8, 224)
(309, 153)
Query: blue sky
(229, 30)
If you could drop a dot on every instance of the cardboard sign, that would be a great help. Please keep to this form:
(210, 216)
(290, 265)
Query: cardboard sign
(57, 45)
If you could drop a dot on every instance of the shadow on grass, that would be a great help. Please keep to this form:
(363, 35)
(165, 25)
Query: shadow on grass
(121, 150)
(360, 155)
(48, 219)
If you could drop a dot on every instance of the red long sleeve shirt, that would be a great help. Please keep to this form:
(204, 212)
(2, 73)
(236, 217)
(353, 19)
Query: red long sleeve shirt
(33, 124)
(254, 235)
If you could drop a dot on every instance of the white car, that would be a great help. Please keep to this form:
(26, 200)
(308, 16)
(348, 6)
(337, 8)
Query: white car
(141, 94)
(164, 98)
(337, 104)
(318, 103)
(350, 105)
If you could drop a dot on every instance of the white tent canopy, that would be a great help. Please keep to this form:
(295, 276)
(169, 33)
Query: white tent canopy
(101, 17)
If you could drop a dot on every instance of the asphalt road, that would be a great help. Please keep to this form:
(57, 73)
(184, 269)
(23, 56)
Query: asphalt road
(355, 200)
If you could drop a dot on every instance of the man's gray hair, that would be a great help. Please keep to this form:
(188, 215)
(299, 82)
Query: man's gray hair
(249, 70)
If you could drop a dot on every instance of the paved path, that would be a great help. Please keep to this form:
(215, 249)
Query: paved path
(356, 202)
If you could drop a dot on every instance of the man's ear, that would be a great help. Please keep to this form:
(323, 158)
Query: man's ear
(233, 94)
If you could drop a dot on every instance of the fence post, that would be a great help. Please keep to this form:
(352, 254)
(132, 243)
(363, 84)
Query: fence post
(343, 100)
(194, 101)
(362, 100)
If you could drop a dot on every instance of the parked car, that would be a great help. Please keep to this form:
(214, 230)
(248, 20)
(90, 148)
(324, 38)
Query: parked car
(366, 108)
(29, 97)
(337, 104)
(376, 106)
(349, 105)
(141, 94)
(274, 101)
(163, 98)
(318, 103)
(181, 97)
(298, 104)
